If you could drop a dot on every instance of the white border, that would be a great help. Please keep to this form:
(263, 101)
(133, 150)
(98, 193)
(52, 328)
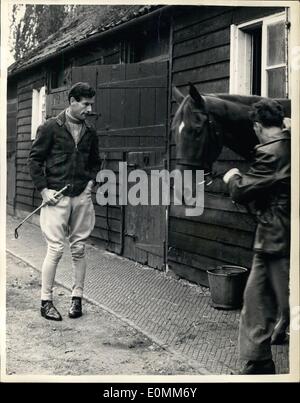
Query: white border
(294, 298)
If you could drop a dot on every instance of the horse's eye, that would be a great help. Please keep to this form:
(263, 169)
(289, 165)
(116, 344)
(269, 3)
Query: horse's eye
(181, 126)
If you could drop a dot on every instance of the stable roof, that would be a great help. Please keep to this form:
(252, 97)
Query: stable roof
(85, 27)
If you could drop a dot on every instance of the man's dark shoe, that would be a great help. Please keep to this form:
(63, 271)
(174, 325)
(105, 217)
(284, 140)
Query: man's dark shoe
(75, 308)
(265, 367)
(49, 311)
(281, 332)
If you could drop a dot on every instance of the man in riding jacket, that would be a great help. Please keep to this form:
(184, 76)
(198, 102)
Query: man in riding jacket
(65, 152)
(267, 184)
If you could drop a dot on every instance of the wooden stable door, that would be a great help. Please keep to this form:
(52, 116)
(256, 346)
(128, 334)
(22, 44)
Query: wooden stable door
(145, 225)
(131, 122)
(132, 127)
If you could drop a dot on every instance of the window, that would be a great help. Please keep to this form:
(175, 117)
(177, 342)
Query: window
(258, 59)
(59, 74)
(38, 115)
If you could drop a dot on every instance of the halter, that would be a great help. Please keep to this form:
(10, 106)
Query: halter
(213, 131)
(213, 126)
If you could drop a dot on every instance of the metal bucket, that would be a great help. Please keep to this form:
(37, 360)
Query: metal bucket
(227, 284)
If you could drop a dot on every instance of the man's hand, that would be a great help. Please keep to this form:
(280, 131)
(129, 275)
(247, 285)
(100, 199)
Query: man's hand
(48, 196)
(88, 188)
(229, 174)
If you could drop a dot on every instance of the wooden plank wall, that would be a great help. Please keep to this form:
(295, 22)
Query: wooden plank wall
(224, 233)
(201, 54)
(105, 52)
(26, 196)
(108, 220)
(131, 100)
(11, 146)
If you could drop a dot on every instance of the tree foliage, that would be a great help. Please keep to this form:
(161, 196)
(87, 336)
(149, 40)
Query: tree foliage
(32, 24)
(37, 24)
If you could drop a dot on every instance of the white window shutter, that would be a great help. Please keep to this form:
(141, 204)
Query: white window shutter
(42, 105)
(240, 61)
(233, 59)
(35, 113)
(38, 115)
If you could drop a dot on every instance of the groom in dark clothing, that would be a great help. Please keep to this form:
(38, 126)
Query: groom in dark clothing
(267, 184)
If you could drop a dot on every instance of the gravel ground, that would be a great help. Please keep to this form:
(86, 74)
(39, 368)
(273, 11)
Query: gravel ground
(95, 344)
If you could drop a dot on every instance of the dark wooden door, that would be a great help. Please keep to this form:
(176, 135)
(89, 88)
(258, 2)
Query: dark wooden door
(132, 127)
(145, 225)
(131, 123)
(56, 101)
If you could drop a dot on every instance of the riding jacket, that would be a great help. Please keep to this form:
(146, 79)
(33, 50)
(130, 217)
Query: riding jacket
(55, 160)
(267, 183)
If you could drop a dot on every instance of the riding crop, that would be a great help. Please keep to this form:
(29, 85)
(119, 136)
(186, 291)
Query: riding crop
(59, 192)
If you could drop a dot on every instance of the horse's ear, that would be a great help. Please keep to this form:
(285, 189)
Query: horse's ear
(196, 96)
(178, 96)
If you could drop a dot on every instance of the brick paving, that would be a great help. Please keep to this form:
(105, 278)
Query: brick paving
(174, 313)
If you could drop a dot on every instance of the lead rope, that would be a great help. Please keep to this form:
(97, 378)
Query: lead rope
(236, 205)
(211, 177)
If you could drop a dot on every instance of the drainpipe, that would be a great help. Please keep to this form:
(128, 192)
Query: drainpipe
(122, 226)
(169, 134)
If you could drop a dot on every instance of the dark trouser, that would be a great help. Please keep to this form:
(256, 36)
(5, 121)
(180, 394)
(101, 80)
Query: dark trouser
(266, 295)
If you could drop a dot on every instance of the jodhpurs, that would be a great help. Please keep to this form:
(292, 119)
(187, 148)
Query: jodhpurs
(266, 293)
(72, 217)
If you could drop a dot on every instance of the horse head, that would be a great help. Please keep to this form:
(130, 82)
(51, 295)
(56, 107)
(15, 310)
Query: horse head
(198, 140)
(202, 124)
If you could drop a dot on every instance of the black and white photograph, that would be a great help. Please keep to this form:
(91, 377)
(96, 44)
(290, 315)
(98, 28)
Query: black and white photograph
(150, 193)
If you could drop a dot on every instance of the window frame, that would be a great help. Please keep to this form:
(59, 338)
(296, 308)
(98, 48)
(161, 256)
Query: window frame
(240, 81)
(38, 114)
(264, 82)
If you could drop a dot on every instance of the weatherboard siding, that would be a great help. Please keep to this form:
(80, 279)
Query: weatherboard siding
(223, 234)
(201, 54)
(26, 196)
